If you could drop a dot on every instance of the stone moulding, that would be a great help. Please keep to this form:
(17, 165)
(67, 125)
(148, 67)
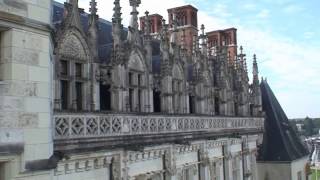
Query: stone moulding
(74, 126)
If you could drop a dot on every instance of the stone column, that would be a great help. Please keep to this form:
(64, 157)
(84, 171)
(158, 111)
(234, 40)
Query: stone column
(72, 89)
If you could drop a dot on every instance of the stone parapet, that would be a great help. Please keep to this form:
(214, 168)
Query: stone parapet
(86, 125)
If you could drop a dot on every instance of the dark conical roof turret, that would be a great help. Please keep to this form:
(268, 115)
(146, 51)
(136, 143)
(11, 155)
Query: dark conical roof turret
(280, 141)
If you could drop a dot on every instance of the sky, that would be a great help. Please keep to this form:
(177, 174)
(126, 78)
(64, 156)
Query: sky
(285, 35)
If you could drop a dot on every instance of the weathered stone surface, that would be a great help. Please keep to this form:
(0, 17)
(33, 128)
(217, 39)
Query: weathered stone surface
(18, 88)
(17, 7)
(19, 55)
(10, 135)
(18, 120)
(19, 4)
(8, 103)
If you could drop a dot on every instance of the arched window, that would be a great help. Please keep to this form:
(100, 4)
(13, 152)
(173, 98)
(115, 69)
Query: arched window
(136, 83)
(72, 73)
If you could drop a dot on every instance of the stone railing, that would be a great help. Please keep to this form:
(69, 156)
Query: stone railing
(69, 126)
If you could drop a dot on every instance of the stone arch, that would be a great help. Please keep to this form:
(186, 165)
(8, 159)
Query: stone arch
(72, 62)
(137, 81)
(136, 61)
(72, 45)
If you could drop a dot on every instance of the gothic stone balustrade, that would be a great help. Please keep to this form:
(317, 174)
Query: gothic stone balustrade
(79, 131)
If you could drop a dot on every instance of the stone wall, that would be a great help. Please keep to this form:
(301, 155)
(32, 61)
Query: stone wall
(25, 83)
(299, 166)
(200, 160)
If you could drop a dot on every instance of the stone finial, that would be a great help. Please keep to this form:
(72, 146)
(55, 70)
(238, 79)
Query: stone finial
(202, 29)
(173, 38)
(93, 30)
(135, 3)
(93, 7)
(116, 19)
(134, 13)
(203, 38)
(133, 33)
(147, 27)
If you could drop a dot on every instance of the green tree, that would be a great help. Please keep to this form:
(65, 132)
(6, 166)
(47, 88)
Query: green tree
(309, 126)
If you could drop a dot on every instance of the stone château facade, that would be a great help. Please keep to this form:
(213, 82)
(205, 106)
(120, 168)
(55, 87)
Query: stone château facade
(157, 102)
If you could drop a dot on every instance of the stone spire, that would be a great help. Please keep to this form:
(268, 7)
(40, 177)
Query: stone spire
(245, 66)
(133, 33)
(116, 23)
(93, 30)
(255, 70)
(147, 41)
(164, 48)
(195, 44)
(173, 37)
(241, 55)
(73, 15)
(203, 39)
(147, 27)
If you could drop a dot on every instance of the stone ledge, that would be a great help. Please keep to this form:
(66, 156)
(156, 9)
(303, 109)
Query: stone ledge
(138, 142)
(11, 149)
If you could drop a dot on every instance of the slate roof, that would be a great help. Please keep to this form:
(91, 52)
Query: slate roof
(105, 35)
(280, 142)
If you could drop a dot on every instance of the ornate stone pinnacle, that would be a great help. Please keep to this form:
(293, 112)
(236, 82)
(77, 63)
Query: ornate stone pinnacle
(134, 19)
(135, 3)
(147, 28)
(117, 12)
(255, 69)
(202, 29)
(93, 7)
(241, 49)
(163, 22)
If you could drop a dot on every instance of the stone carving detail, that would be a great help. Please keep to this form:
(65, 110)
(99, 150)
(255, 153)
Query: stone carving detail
(81, 165)
(75, 126)
(204, 157)
(105, 125)
(62, 126)
(72, 48)
(92, 126)
(170, 162)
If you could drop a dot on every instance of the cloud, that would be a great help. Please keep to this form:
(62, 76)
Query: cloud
(263, 14)
(249, 6)
(308, 35)
(293, 8)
